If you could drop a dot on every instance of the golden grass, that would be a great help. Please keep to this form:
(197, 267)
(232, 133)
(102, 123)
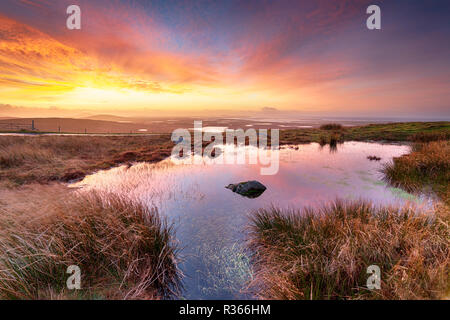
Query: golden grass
(427, 165)
(17, 155)
(324, 253)
(123, 248)
(62, 158)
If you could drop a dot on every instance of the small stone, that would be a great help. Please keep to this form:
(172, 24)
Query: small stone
(249, 189)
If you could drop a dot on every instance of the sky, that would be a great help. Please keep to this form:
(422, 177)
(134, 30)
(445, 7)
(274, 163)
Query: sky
(207, 57)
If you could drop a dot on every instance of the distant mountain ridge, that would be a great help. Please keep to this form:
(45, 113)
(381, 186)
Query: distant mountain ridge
(108, 117)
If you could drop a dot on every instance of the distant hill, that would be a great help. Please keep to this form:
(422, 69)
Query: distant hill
(108, 117)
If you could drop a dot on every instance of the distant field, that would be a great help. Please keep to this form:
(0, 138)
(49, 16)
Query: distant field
(114, 124)
(27, 159)
(108, 124)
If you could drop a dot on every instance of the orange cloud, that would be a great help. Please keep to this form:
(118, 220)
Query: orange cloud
(289, 54)
(32, 62)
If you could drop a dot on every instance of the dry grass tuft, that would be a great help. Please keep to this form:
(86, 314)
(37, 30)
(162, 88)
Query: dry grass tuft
(17, 155)
(45, 159)
(331, 126)
(430, 136)
(427, 164)
(324, 253)
(123, 248)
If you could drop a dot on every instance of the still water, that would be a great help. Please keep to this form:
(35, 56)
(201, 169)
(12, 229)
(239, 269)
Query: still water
(211, 221)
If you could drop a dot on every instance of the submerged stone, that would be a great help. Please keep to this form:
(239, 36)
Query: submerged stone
(249, 189)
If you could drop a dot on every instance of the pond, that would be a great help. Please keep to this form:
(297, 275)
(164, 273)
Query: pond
(211, 221)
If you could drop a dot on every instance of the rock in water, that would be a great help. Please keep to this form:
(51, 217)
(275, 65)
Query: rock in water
(249, 189)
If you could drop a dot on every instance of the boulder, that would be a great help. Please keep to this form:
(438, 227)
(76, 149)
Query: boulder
(249, 189)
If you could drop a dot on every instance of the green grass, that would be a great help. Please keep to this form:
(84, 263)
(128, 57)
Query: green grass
(407, 131)
(396, 131)
(324, 253)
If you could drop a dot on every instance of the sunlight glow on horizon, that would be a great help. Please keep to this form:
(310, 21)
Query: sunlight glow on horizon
(289, 55)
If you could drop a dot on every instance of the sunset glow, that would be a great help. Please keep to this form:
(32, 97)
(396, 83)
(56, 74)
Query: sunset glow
(187, 55)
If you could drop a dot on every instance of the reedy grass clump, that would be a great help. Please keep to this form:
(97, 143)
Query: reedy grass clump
(427, 164)
(123, 248)
(332, 140)
(324, 253)
(331, 126)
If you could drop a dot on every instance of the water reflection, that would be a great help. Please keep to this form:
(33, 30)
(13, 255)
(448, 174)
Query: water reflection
(211, 221)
